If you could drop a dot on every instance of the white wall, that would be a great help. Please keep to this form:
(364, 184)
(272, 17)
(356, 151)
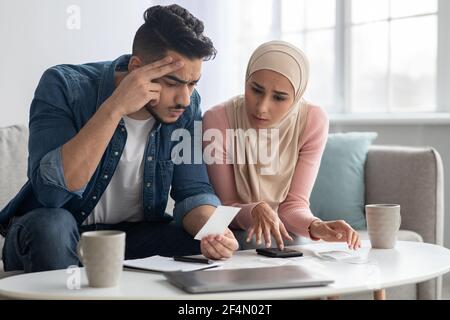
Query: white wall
(34, 36)
(433, 135)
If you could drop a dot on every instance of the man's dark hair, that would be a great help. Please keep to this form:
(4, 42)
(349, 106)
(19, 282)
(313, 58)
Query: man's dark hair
(172, 28)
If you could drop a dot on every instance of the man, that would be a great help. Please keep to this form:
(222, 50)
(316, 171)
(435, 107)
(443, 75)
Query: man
(100, 153)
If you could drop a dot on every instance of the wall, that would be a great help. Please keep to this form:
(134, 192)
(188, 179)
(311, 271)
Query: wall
(34, 36)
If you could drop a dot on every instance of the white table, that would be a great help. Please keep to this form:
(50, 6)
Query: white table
(409, 262)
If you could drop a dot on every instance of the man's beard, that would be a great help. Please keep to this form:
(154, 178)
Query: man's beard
(149, 108)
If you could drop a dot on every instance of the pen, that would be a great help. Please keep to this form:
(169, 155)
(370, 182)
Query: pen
(192, 259)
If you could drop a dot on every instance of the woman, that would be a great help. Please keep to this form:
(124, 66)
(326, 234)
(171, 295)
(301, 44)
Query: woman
(277, 203)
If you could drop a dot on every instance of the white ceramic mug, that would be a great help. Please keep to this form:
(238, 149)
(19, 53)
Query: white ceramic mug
(383, 224)
(102, 254)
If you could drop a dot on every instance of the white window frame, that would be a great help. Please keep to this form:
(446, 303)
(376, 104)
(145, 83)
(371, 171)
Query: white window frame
(344, 41)
(443, 64)
(343, 103)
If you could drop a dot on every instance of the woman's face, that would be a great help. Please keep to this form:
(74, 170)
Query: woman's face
(268, 97)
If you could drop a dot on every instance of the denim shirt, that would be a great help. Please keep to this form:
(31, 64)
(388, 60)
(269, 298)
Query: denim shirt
(66, 98)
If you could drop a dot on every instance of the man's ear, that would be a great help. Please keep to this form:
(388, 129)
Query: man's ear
(134, 63)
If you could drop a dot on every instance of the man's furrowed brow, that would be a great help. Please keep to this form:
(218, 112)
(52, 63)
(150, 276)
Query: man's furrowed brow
(176, 79)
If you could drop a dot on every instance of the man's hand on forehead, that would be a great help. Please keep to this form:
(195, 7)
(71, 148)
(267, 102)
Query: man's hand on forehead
(160, 68)
(138, 88)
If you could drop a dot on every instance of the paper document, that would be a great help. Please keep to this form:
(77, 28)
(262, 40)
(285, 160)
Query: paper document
(166, 264)
(343, 256)
(339, 253)
(218, 222)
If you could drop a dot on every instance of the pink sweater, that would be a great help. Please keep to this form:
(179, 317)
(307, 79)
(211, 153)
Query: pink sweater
(294, 211)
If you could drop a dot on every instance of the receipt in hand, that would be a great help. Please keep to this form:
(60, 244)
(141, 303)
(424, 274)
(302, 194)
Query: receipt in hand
(218, 222)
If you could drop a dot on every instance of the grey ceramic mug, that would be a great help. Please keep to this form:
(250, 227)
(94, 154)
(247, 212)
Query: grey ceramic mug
(102, 254)
(383, 224)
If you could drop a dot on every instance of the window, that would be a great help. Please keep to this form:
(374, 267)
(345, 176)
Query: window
(310, 25)
(393, 55)
(253, 24)
(367, 56)
(382, 59)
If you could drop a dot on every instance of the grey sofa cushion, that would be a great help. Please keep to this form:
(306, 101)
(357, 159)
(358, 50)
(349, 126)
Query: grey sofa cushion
(13, 164)
(13, 161)
(421, 195)
(389, 179)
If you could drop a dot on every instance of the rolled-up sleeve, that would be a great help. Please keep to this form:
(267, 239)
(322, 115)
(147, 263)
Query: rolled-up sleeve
(185, 206)
(52, 173)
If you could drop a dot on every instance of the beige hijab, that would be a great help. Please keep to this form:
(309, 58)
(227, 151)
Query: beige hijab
(252, 185)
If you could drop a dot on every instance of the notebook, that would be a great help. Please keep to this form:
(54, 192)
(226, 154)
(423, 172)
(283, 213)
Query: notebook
(162, 264)
(291, 276)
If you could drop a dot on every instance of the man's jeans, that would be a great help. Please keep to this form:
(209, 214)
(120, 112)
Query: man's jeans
(46, 239)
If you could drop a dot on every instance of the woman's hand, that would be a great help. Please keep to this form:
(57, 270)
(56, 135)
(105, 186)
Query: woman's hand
(266, 222)
(335, 231)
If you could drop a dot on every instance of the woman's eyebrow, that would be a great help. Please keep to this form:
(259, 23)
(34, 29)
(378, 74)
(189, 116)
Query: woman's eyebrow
(257, 85)
(281, 93)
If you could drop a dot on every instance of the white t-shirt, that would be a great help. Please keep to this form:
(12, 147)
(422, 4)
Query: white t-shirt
(122, 199)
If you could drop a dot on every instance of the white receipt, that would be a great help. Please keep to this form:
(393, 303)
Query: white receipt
(218, 222)
(358, 257)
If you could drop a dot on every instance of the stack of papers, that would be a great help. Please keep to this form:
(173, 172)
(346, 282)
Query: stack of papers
(166, 264)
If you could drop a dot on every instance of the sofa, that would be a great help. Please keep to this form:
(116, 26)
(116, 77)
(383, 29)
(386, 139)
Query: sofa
(388, 179)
